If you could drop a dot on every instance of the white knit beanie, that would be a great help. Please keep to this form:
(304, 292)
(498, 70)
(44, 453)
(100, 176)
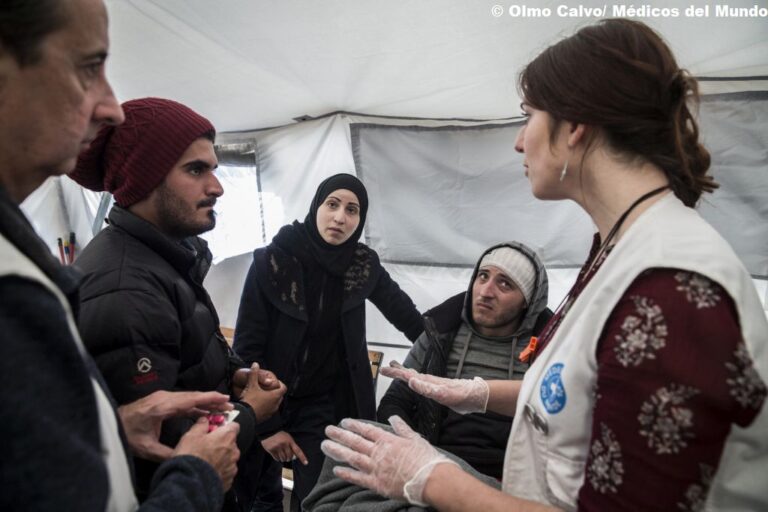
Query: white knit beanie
(517, 266)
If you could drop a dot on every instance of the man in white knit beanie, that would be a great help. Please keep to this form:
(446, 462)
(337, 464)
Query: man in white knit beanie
(501, 290)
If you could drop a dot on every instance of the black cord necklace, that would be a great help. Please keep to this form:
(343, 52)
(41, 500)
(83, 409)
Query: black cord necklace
(602, 252)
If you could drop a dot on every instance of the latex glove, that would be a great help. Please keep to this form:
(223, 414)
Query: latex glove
(283, 448)
(263, 401)
(462, 395)
(217, 448)
(143, 419)
(394, 465)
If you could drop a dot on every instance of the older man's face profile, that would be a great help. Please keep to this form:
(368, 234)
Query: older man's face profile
(53, 107)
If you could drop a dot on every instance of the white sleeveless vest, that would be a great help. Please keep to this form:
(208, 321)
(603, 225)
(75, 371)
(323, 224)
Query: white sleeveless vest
(121, 495)
(549, 442)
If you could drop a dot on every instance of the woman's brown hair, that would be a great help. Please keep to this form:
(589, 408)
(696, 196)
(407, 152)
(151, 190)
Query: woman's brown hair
(620, 76)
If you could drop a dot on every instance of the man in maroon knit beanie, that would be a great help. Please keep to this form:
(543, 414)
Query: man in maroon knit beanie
(144, 314)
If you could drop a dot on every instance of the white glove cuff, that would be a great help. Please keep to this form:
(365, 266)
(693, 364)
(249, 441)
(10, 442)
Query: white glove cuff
(413, 489)
(485, 392)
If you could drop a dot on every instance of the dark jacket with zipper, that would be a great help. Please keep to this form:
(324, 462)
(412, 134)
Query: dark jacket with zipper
(480, 439)
(54, 454)
(149, 323)
(272, 321)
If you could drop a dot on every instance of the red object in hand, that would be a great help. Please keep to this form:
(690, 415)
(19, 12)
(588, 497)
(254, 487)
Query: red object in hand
(216, 420)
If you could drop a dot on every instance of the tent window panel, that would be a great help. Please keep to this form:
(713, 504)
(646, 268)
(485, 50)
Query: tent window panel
(441, 195)
(734, 128)
(240, 213)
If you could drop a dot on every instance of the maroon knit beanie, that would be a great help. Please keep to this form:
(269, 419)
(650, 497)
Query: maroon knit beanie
(132, 159)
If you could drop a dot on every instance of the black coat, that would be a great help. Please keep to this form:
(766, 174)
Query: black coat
(53, 457)
(149, 323)
(272, 320)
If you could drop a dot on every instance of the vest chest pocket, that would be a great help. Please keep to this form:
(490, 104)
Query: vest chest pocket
(560, 476)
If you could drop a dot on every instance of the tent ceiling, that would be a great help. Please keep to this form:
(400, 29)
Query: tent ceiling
(249, 64)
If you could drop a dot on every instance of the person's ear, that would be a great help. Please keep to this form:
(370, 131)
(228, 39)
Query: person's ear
(577, 132)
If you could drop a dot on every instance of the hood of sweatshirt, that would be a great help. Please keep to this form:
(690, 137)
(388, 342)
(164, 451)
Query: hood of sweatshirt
(539, 297)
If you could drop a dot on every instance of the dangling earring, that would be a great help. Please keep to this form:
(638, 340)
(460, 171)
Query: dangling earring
(564, 171)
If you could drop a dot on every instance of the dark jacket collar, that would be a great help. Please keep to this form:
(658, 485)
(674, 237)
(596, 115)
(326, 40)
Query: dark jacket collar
(189, 257)
(446, 316)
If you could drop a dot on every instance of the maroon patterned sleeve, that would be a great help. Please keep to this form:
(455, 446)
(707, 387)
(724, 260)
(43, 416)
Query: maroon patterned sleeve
(673, 376)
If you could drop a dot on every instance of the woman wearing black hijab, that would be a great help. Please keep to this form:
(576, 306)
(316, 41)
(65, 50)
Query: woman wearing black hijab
(302, 316)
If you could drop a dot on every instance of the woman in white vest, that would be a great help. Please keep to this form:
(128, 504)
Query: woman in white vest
(647, 390)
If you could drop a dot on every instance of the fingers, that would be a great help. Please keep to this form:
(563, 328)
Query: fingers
(239, 380)
(282, 447)
(229, 432)
(268, 380)
(264, 380)
(217, 448)
(282, 453)
(349, 438)
(200, 427)
(152, 449)
(401, 428)
(298, 453)
(253, 376)
(210, 401)
(424, 387)
(366, 430)
(341, 453)
(280, 388)
(228, 468)
(397, 371)
(350, 447)
(176, 403)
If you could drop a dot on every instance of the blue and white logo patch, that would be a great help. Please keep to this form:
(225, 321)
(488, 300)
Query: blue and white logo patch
(552, 389)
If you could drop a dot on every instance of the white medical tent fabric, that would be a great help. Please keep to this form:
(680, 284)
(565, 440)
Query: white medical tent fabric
(459, 189)
(418, 99)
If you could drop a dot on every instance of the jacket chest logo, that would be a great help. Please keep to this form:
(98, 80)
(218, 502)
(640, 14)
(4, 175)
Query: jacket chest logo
(144, 365)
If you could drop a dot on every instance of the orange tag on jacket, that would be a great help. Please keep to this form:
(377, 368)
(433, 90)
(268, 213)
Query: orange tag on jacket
(525, 355)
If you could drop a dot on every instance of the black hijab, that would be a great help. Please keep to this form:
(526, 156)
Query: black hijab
(334, 259)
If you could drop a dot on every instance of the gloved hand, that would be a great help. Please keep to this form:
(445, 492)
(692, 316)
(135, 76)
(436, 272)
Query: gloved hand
(394, 465)
(462, 395)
